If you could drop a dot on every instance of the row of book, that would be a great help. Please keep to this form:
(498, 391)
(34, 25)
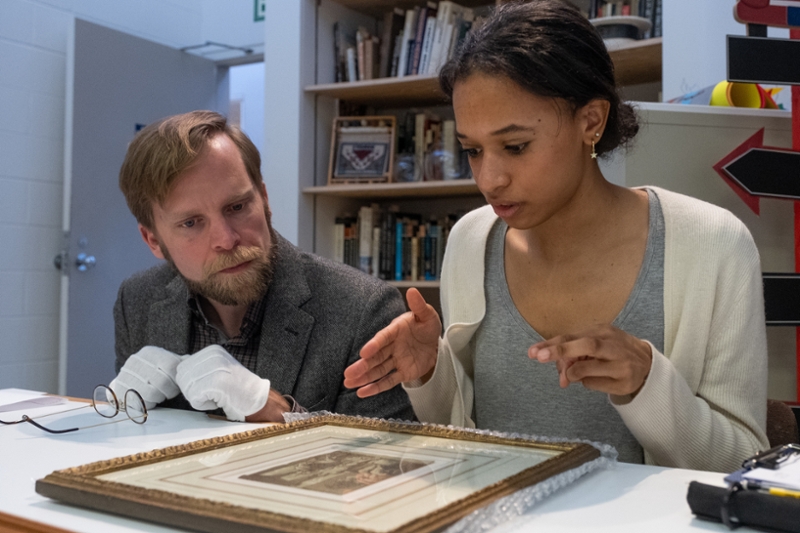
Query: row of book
(649, 9)
(415, 41)
(391, 245)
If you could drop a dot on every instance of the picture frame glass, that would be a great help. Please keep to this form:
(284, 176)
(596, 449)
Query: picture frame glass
(352, 477)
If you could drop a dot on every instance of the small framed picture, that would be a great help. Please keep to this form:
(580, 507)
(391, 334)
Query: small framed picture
(362, 149)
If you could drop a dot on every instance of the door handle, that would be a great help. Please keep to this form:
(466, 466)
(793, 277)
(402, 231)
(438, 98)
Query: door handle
(84, 262)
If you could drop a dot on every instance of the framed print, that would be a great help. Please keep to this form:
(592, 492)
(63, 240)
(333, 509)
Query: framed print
(362, 149)
(329, 473)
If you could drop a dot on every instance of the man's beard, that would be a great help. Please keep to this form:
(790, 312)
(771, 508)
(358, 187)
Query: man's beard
(243, 287)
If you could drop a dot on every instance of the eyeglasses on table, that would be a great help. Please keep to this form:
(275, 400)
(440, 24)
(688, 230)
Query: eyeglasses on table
(105, 403)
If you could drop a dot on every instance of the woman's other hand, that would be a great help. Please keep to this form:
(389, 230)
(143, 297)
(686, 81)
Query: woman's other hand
(603, 358)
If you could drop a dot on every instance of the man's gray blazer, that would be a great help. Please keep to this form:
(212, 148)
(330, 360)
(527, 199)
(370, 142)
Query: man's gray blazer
(318, 315)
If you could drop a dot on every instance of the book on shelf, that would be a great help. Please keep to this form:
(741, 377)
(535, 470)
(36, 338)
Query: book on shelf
(360, 53)
(339, 47)
(442, 15)
(374, 56)
(398, 45)
(409, 29)
(415, 51)
(656, 30)
(415, 255)
(352, 68)
(346, 243)
(392, 31)
(365, 239)
(399, 233)
(427, 43)
(376, 251)
(338, 239)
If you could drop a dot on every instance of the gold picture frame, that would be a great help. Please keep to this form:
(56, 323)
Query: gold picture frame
(330, 474)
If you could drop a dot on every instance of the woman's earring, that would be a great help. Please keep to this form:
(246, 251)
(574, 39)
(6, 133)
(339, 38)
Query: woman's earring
(594, 152)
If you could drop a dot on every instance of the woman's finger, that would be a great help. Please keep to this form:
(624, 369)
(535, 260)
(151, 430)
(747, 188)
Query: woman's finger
(418, 306)
(379, 386)
(384, 337)
(567, 347)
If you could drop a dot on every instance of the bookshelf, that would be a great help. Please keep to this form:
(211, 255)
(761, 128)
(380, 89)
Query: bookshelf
(636, 62)
(424, 189)
(305, 94)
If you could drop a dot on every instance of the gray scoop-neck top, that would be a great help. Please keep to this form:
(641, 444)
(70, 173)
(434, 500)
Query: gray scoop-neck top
(516, 394)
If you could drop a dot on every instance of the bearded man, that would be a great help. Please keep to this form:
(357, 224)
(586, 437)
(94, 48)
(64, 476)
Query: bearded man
(237, 318)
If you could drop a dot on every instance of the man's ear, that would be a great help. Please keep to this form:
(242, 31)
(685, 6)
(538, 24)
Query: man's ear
(151, 240)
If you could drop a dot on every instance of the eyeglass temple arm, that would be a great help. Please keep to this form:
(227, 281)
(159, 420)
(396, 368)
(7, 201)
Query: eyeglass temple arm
(25, 418)
(21, 420)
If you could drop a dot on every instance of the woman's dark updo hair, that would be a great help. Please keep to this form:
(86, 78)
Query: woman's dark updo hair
(550, 49)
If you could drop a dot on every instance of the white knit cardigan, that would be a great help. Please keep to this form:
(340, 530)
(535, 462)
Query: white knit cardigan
(703, 405)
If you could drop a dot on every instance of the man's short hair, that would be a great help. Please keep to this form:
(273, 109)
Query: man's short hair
(164, 149)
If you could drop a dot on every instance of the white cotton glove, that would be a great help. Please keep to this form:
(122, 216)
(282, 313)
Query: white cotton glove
(151, 373)
(212, 378)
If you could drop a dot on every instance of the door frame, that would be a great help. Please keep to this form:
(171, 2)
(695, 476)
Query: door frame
(64, 261)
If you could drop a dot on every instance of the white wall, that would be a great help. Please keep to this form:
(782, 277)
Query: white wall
(33, 39)
(694, 45)
(247, 86)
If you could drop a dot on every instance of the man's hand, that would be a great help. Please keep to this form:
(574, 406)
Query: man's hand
(151, 372)
(272, 411)
(212, 378)
(603, 358)
(404, 350)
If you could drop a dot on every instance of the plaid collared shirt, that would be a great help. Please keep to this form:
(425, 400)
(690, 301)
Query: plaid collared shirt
(243, 347)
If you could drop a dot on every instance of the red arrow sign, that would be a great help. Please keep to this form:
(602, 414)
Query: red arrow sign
(768, 12)
(756, 141)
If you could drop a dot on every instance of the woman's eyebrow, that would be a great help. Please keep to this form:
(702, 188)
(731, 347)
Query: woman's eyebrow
(511, 128)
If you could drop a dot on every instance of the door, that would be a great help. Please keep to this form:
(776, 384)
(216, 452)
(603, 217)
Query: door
(116, 83)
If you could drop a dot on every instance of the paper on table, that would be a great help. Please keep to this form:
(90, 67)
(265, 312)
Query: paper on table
(786, 477)
(42, 401)
(17, 395)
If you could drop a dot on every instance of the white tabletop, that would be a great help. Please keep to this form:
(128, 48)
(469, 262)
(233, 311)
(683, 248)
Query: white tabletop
(626, 498)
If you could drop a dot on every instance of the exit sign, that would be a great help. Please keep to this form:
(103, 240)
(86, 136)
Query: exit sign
(260, 10)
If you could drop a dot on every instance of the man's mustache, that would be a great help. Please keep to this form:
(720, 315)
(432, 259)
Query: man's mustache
(239, 255)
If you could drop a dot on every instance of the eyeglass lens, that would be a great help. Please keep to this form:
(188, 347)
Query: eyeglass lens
(135, 407)
(106, 404)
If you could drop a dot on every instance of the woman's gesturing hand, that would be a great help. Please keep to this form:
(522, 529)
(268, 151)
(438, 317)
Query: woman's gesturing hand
(404, 350)
(603, 358)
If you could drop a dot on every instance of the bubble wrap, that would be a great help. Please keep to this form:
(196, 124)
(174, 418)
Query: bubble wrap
(521, 501)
